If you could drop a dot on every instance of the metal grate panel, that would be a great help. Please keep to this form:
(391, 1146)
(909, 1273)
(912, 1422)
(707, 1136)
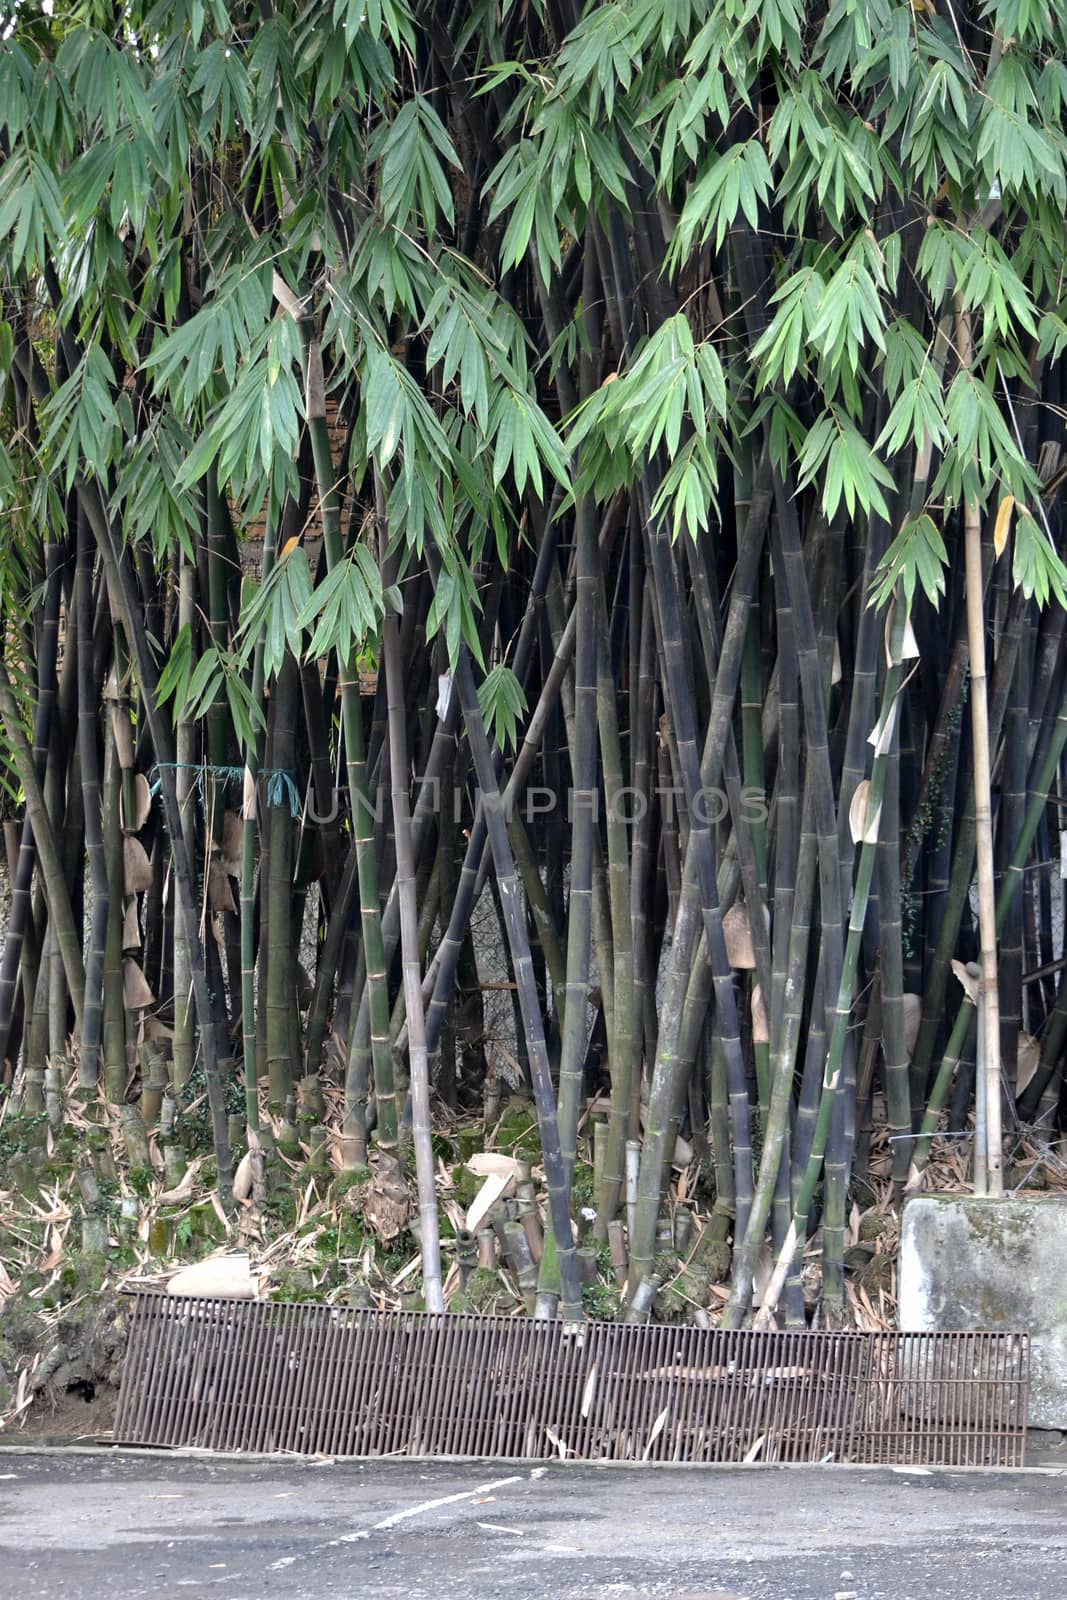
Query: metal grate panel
(310, 1379)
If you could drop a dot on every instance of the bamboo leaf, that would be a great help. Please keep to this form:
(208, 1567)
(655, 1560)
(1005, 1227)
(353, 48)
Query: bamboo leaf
(1002, 525)
(502, 702)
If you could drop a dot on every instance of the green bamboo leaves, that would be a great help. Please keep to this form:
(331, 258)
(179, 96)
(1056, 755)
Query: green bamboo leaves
(737, 183)
(675, 387)
(916, 555)
(293, 615)
(250, 441)
(83, 423)
(414, 153)
(200, 357)
(502, 703)
(215, 677)
(836, 453)
(31, 211)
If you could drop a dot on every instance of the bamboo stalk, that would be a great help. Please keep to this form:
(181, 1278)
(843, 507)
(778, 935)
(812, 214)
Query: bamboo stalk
(583, 799)
(280, 990)
(429, 1237)
(88, 742)
(57, 893)
(794, 1242)
(555, 1173)
(124, 605)
(363, 814)
(1009, 890)
(20, 919)
(620, 1049)
(185, 755)
(989, 991)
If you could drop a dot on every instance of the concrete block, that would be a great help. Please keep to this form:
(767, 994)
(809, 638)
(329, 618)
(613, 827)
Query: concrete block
(975, 1264)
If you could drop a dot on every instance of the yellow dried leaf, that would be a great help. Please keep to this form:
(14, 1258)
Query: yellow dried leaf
(1002, 526)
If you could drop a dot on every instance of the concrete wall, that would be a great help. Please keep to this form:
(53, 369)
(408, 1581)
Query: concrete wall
(973, 1264)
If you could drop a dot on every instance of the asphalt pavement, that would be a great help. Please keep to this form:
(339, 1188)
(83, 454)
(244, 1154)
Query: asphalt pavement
(109, 1525)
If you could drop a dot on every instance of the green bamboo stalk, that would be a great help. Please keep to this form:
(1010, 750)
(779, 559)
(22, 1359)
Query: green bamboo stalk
(20, 925)
(783, 1057)
(540, 910)
(641, 863)
(422, 1132)
(583, 799)
(214, 551)
(719, 1124)
(533, 1024)
(935, 988)
(1010, 823)
(668, 1076)
(794, 1243)
(327, 966)
(742, 837)
(752, 737)
(247, 890)
(620, 1049)
(783, 1006)
(185, 754)
(895, 1061)
(362, 811)
(57, 893)
(124, 604)
(670, 831)
(679, 964)
(88, 742)
(114, 1018)
(1010, 888)
(36, 1044)
(601, 911)
(280, 996)
(815, 1043)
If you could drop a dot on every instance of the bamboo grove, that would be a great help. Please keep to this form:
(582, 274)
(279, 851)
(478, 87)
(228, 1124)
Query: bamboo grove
(600, 464)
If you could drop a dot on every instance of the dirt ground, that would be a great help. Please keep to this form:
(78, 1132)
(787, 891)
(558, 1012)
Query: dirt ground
(60, 1368)
(71, 1417)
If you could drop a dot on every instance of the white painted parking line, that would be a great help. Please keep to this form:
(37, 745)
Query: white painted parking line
(427, 1505)
(398, 1517)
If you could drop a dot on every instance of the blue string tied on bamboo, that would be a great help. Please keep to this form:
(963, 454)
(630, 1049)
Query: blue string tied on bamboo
(281, 786)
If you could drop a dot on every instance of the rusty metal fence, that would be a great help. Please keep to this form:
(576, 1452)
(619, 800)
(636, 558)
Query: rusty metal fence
(321, 1380)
